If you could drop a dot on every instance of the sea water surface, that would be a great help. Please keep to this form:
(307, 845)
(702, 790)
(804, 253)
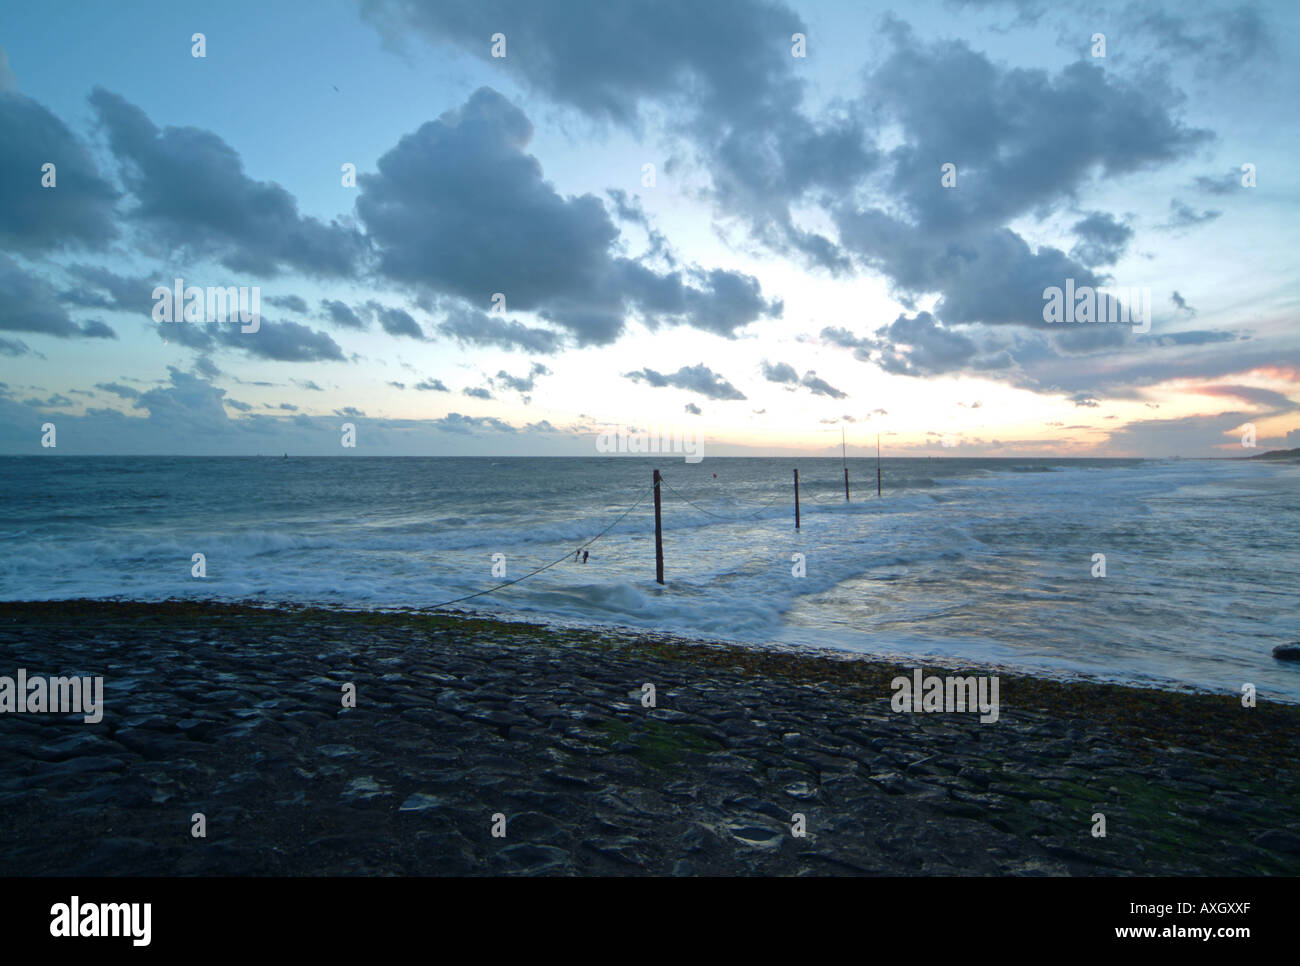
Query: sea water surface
(974, 560)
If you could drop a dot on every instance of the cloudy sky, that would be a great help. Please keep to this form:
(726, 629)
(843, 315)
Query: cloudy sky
(654, 214)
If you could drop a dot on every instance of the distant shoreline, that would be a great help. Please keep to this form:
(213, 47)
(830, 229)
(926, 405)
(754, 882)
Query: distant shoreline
(1291, 455)
(612, 458)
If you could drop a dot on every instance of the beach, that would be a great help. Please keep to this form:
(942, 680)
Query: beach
(463, 725)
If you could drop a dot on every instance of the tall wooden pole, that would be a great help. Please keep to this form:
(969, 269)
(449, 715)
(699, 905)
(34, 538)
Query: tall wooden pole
(877, 464)
(845, 455)
(659, 535)
(796, 499)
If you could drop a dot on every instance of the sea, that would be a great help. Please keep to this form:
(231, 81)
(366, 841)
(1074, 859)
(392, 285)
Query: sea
(1177, 574)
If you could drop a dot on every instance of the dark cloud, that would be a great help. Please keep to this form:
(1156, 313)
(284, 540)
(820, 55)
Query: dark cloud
(693, 409)
(523, 384)
(187, 406)
(911, 345)
(997, 123)
(1277, 402)
(76, 212)
(995, 278)
(342, 314)
(820, 387)
(431, 385)
(1180, 303)
(1192, 338)
(54, 401)
(96, 329)
(1102, 239)
(487, 222)
(199, 336)
(459, 208)
(1184, 216)
(698, 379)
(28, 303)
(1021, 138)
(629, 209)
(843, 338)
(478, 392)
(1214, 42)
(98, 287)
(780, 372)
(718, 52)
(396, 321)
(117, 389)
(294, 303)
(192, 193)
(1188, 435)
(465, 425)
(205, 367)
(725, 68)
(720, 301)
(281, 341)
(1124, 374)
(1024, 141)
(479, 328)
(1223, 184)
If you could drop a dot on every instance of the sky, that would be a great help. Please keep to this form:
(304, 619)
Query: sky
(489, 227)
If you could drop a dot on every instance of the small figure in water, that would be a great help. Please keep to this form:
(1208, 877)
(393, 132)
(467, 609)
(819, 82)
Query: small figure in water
(584, 556)
(577, 555)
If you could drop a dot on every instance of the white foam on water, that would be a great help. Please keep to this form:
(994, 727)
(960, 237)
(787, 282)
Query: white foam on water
(980, 563)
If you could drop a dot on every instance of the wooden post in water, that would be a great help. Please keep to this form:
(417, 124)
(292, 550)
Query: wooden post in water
(845, 455)
(659, 535)
(796, 499)
(877, 464)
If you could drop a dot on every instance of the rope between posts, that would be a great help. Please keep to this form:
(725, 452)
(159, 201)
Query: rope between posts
(617, 521)
(719, 516)
(548, 566)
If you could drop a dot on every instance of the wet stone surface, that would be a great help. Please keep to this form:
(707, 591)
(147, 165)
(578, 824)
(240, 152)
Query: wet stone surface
(237, 713)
